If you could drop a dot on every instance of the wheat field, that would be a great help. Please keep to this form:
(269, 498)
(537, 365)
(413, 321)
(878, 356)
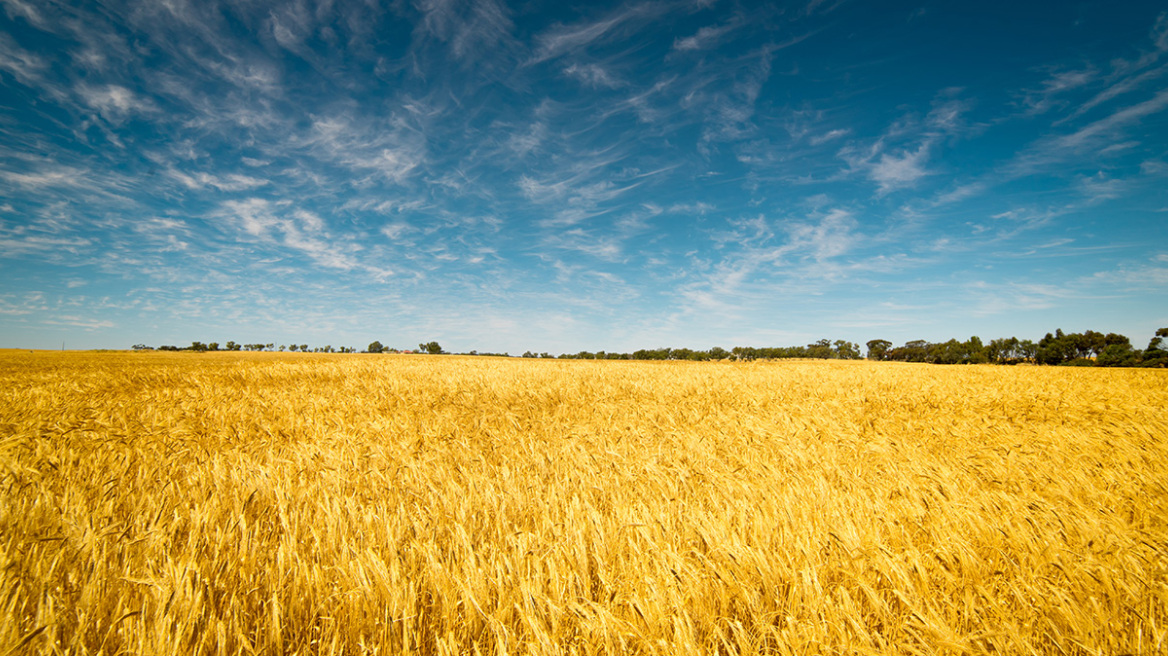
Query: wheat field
(265, 503)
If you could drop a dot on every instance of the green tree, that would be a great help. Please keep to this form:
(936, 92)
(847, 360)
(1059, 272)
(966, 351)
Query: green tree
(1056, 348)
(878, 349)
(1156, 354)
(1117, 355)
(821, 349)
(1157, 342)
(915, 351)
(432, 348)
(975, 351)
(846, 350)
(375, 347)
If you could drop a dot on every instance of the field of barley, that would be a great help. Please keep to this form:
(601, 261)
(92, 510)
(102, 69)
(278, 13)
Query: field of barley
(260, 503)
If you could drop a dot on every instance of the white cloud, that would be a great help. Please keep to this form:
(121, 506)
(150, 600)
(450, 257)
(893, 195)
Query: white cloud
(704, 38)
(593, 75)
(959, 193)
(297, 229)
(26, 10)
(893, 172)
(229, 182)
(79, 322)
(1046, 98)
(469, 27)
(395, 231)
(947, 116)
(112, 101)
(1100, 187)
(833, 235)
(1091, 135)
(21, 64)
(12, 245)
(830, 135)
(51, 176)
(254, 214)
(568, 38)
(393, 153)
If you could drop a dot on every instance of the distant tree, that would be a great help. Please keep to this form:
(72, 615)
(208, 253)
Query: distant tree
(878, 349)
(1117, 355)
(1090, 343)
(375, 347)
(820, 349)
(975, 351)
(293, 347)
(213, 346)
(1157, 342)
(432, 348)
(1156, 355)
(232, 346)
(846, 350)
(914, 351)
(1028, 350)
(950, 352)
(141, 347)
(719, 353)
(197, 346)
(304, 348)
(744, 353)
(1056, 349)
(1004, 350)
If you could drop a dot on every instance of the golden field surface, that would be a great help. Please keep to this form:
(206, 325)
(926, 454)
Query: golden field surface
(262, 503)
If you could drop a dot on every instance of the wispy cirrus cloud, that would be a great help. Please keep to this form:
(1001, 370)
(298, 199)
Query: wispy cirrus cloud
(227, 182)
(593, 75)
(564, 39)
(705, 38)
(1096, 136)
(21, 64)
(468, 27)
(295, 229)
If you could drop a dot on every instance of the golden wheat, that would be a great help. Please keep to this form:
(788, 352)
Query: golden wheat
(316, 504)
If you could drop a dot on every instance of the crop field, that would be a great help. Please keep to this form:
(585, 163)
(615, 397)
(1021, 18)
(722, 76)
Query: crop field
(261, 503)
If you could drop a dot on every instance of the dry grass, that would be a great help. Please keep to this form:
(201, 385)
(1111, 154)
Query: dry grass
(279, 504)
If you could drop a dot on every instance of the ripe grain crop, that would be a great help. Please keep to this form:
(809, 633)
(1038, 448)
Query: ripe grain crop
(259, 503)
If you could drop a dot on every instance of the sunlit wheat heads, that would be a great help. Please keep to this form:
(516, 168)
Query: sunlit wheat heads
(262, 503)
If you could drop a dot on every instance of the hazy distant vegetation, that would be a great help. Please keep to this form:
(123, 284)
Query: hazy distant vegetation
(1089, 348)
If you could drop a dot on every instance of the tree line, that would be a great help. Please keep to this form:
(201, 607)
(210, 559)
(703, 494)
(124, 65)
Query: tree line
(1088, 348)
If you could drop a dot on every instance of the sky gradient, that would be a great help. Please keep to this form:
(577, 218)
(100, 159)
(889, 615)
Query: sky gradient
(512, 176)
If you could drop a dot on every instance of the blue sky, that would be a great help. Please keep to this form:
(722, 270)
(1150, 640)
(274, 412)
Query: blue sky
(512, 176)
